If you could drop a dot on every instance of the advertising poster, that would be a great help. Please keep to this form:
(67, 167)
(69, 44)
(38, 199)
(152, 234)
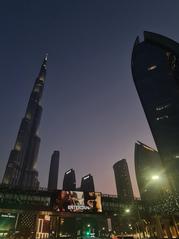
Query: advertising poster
(93, 201)
(75, 201)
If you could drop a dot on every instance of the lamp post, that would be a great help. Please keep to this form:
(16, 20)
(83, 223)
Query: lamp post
(157, 179)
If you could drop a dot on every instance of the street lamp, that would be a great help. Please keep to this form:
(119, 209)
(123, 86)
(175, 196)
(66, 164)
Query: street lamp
(155, 177)
(127, 210)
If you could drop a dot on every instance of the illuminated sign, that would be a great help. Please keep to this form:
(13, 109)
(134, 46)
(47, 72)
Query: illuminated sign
(68, 172)
(7, 221)
(74, 201)
(8, 215)
(86, 177)
(78, 207)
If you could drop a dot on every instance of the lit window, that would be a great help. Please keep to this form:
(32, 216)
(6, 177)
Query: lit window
(162, 107)
(151, 68)
(28, 116)
(18, 146)
(162, 117)
(41, 78)
(36, 89)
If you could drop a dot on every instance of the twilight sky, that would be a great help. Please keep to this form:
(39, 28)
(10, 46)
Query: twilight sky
(91, 111)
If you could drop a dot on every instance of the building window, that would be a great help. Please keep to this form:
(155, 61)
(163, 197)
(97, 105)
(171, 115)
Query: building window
(28, 116)
(18, 146)
(41, 78)
(162, 117)
(151, 68)
(36, 89)
(162, 107)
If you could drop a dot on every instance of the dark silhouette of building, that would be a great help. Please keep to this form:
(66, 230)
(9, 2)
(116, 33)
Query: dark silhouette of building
(53, 172)
(123, 181)
(69, 181)
(20, 170)
(87, 183)
(150, 173)
(155, 69)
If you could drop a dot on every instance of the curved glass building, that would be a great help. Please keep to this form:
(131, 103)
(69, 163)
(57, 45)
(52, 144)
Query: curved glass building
(155, 70)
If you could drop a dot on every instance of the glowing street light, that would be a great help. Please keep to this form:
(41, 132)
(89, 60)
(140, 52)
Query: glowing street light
(127, 210)
(155, 177)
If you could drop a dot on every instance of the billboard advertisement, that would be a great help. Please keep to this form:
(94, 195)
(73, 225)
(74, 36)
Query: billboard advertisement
(75, 201)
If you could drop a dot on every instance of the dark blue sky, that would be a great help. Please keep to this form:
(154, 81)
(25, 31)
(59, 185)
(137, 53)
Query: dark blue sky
(91, 109)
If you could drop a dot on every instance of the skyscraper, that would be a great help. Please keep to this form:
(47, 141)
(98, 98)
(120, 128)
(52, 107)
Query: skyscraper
(69, 181)
(20, 170)
(53, 172)
(87, 183)
(123, 181)
(150, 173)
(155, 69)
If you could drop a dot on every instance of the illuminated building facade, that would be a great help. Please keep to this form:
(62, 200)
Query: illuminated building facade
(123, 181)
(20, 170)
(150, 175)
(39, 214)
(155, 69)
(87, 183)
(53, 173)
(69, 181)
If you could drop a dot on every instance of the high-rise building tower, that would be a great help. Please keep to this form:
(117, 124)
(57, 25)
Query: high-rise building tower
(20, 170)
(87, 183)
(53, 172)
(155, 69)
(69, 181)
(150, 173)
(123, 181)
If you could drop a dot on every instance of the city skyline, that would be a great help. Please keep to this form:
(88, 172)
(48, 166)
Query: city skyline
(92, 113)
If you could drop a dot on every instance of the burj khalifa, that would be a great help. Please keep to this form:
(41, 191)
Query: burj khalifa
(20, 171)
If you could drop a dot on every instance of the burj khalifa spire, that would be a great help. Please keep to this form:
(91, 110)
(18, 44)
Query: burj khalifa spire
(20, 170)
